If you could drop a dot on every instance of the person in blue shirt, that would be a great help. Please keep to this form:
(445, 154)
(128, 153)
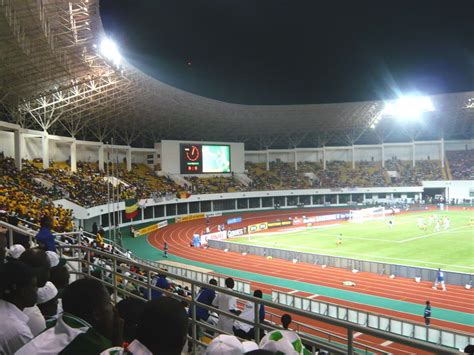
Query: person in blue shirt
(162, 283)
(205, 296)
(439, 280)
(427, 313)
(44, 237)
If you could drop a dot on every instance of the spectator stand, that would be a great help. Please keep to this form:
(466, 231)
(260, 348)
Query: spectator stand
(125, 277)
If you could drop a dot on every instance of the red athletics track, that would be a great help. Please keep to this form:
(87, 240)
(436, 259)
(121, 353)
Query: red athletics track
(179, 236)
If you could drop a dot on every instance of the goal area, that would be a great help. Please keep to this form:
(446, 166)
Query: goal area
(367, 214)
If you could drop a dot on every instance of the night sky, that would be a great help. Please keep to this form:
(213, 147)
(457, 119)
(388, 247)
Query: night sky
(298, 51)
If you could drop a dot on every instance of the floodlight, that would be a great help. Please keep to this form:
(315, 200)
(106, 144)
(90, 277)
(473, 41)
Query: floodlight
(408, 107)
(110, 51)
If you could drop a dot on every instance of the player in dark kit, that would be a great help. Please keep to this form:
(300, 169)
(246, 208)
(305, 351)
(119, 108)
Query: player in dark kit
(165, 250)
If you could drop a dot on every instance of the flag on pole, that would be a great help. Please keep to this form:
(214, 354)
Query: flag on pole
(131, 208)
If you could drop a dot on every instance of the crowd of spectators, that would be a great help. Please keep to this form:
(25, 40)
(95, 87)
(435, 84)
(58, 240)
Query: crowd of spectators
(409, 175)
(461, 164)
(25, 198)
(280, 176)
(215, 184)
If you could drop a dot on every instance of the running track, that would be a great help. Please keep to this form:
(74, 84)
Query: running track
(178, 236)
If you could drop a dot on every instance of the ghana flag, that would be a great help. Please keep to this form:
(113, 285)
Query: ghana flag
(131, 208)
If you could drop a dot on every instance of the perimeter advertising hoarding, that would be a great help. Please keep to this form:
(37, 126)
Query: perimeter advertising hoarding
(277, 224)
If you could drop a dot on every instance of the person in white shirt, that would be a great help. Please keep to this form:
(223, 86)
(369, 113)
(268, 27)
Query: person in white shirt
(40, 262)
(245, 330)
(17, 290)
(226, 303)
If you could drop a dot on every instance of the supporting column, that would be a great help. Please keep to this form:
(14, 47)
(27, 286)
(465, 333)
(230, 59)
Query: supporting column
(413, 154)
(296, 160)
(101, 158)
(442, 152)
(268, 160)
(337, 199)
(353, 157)
(129, 159)
(45, 150)
(324, 158)
(383, 155)
(73, 161)
(18, 146)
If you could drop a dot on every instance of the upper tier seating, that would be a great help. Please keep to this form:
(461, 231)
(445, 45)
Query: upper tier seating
(412, 176)
(461, 164)
(214, 184)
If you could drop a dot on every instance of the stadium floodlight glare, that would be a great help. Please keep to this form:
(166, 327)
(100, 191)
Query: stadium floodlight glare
(110, 51)
(408, 107)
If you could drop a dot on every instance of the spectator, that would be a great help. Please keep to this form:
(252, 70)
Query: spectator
(131, 311)
(15, 251)
(286, 321)
(205, 296)
(226, 303)
(89, 324)
(59, 276)
(161, 330)
(427, 313)
(48, 303)
(17, 291)
(94, 228)
(38, 260)
(229, 345)
(245, 330)
(44, 237)
(161, 282)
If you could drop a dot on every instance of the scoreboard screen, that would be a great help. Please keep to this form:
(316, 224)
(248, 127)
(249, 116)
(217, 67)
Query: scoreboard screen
(204, 158)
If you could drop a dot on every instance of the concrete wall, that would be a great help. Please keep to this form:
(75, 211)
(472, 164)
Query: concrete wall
(7, 145)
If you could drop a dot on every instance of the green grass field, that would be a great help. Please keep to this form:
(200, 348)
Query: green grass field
(405, 243)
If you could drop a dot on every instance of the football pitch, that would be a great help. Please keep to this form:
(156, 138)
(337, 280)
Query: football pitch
(403, 243)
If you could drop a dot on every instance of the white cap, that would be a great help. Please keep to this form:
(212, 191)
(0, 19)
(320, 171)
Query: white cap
(54, 259)
(225, 345)
(249, 346)
(279, 341)
(16, 250)
(46, 293)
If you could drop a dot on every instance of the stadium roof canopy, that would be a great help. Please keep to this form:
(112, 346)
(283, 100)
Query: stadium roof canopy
(53, 78)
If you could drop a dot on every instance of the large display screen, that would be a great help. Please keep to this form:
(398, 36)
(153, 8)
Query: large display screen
(204, 158)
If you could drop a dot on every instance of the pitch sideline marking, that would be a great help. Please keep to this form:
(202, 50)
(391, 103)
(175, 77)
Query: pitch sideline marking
(430, 234)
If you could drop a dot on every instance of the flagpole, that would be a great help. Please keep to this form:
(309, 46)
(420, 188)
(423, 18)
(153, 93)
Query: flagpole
(112, 234)
(108, 188)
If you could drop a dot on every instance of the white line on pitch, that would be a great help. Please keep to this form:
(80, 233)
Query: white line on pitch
(294, 291)
(313, 296)
(387, 343)
(356, 335)
(430, 234)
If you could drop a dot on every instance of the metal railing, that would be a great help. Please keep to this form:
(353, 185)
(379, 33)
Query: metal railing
(392, 325)
(115, 271)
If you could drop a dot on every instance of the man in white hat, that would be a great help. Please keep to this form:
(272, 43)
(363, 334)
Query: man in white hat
(48, 303)
(15, 251)
(229, 345)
